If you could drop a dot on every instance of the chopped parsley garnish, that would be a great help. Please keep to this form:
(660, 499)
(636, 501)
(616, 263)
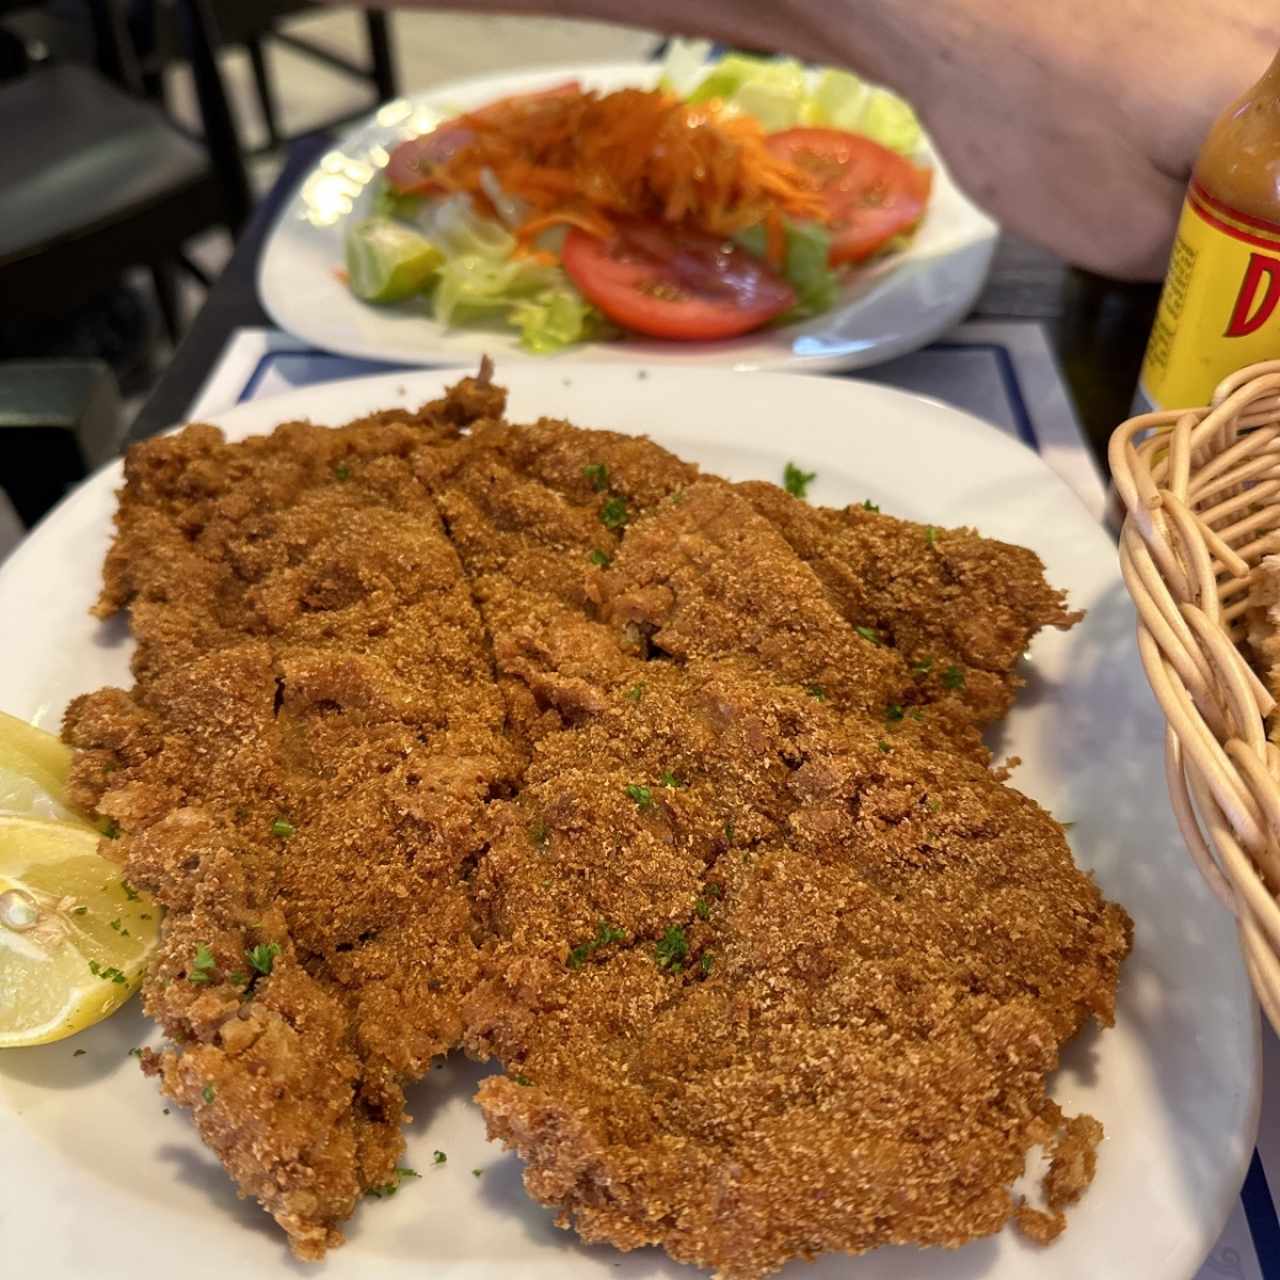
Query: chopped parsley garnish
(932, 805)
(115, 924)
(817, 692)
(605, 934)
(111, 829)
(263, 956)
(885, 747)
(342, 471)
(728, 831)
(930, 535)
(641, 795)
(109, 974)
(868, 505)
(672, 949)
(524, 1081)
(924, 666)
(702, 909)
(714, 891)
(670, 780)
(598, 474)
(475, 1173)
(390, 1188)
(916, 713)
(129, 891)
(283, 828)
(613, 514)
(79, 1053)
(635, 693)
(708, 961)
(239, 979)
(868, 634)
(135, 1053)
(201, 965)
(207, 1093)
(600, 558)
(438, 1157)
(893, 712)
(797, 482)
(538, 833)
(953, 677)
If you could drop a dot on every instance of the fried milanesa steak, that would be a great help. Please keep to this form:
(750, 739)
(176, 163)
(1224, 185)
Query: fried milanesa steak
(666, 793)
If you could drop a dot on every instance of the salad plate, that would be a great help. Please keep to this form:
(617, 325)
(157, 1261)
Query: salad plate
(882, 308)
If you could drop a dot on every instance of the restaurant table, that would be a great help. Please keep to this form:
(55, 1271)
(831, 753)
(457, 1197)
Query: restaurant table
(1096, 331)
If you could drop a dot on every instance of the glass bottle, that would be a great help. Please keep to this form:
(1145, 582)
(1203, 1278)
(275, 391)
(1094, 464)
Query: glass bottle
(1220, 307)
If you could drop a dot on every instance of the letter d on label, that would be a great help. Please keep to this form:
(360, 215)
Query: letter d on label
(1249, 314)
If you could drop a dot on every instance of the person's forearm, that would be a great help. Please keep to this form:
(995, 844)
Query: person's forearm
(902, 43)
(1075, 123)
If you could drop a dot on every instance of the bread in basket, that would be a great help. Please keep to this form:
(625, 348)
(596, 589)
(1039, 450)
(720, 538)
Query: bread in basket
(1201, 489)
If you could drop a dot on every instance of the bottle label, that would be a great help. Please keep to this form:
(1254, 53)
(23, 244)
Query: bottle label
(1220, 308)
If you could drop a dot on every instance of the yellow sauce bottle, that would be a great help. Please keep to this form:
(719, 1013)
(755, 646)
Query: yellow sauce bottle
(1220, 308)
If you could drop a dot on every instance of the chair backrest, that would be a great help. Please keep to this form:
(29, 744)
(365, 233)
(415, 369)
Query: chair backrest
(201, 39)
(116, 56)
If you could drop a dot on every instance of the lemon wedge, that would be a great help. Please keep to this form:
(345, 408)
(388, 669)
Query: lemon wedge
(74, 935)
(33, 772)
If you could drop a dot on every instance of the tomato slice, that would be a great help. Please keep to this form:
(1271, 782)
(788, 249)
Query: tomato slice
(872, 193)
(411, 165)
(675, 282)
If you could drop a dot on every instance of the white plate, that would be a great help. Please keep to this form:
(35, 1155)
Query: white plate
(93, 1180)
(892, 307)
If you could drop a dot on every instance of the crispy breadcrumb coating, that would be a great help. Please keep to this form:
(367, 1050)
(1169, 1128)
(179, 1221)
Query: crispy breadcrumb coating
(666, 793)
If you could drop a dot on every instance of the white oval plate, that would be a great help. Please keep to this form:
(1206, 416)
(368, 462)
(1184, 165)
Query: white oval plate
(94, 1180)
(891, 307)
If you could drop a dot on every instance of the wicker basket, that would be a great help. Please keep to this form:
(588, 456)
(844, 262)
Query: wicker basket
(1202, 493)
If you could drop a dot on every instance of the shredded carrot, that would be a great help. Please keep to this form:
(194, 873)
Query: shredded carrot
(564, 217)
(587, 159)
(542, 257)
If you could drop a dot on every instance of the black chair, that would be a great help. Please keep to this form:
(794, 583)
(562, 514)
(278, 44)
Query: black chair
(59, 420)
(95, 181)
(166, 30)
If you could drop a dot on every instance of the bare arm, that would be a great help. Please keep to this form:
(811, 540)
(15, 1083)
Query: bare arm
(1075, 123)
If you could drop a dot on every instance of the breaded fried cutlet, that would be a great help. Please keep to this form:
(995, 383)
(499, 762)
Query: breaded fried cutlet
(299, 776)
(767, 983)
(665, 793)
(961, 609)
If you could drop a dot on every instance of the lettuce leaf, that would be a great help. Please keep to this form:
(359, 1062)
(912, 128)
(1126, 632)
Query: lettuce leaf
(388, 261)
(555, 318)
(842, 100)
(472, 282)
(807, 270)
(459, 230)
(537, 299)
(804, 266)
(683, 65)
(780, 93)
(773, 90)
(391, 204)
